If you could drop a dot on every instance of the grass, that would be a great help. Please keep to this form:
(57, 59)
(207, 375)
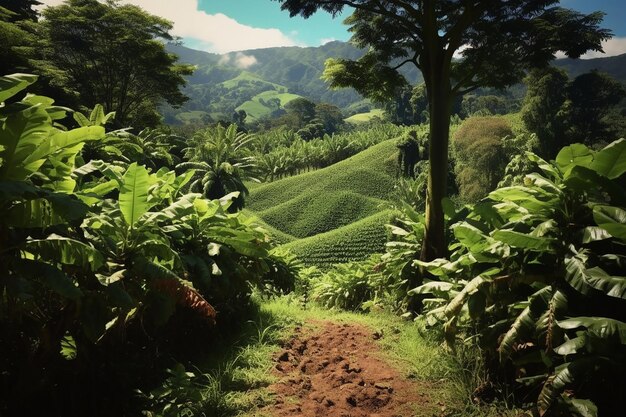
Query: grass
(354, 242)
(361, 118)
(240, 377)
(256, 110)
(336, 211)
(370, 173)
(192, 116)
(304, 216)
(248, 77)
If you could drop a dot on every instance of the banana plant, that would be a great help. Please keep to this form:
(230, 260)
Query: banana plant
(534, 263)
(218, 158)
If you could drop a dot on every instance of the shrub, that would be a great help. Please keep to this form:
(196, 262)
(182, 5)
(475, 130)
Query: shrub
(536, 273)
(479, 155)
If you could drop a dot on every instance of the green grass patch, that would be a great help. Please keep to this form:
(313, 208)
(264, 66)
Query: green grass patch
(247, 77)
(361, 118)
(195, 116)
(256, 108)
(354, 242)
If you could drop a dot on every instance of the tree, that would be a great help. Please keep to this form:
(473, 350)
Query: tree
(497, 39)
(592, 96)
(13, 37)
(219, 158)
(330, 116)
(300, 112)
(399, 109)
(22, 9)
(541, 111)
(114, 55)
(480, 156)
(561, 112)
(419, 103)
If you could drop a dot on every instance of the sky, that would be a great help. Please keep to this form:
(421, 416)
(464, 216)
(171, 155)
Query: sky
(222, 26)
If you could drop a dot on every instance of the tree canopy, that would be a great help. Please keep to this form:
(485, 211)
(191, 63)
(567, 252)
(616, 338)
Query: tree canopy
(112, 54)
(496, 40)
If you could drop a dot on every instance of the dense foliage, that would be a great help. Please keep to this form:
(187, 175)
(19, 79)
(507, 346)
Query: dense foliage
(562, 112)
(110, 54)
(536, 273)
(99, 257)
(282, 152)
(497, 40)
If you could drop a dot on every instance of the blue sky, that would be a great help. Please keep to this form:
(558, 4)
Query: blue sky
(224, 26)
(317, 29)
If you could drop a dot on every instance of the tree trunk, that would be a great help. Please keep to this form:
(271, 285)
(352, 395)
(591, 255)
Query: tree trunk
(440, 98)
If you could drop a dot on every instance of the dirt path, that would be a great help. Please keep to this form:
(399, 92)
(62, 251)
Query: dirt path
(336, 370)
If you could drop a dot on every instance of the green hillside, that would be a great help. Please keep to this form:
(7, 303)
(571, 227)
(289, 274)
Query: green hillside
(308, 215)
(261, 104)
(354, 242)
(217, 87)
(279, 236)
(335, 212)
(246, 78)
(360, 118)
(370, 173)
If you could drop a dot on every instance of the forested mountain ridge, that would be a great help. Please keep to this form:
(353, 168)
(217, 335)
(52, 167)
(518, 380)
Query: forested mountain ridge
(297, 70)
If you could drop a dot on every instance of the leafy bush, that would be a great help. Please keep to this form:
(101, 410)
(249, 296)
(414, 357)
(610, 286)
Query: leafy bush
(479, 155)
(537, 270)
(98, 259)
(219, 162)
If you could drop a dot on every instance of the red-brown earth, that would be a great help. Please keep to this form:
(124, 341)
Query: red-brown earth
(339, 370)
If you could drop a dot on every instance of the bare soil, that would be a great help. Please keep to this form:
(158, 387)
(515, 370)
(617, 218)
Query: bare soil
(338, 370)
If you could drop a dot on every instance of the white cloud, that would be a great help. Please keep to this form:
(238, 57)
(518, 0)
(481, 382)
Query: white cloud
(324, 41)
(612, 47)
(216, 32)
(240, 60)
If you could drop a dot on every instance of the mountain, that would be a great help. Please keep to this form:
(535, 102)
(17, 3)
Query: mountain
(256, 80)
(613, 65)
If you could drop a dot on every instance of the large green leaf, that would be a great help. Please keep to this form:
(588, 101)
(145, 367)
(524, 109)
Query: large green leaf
(67, 139)
(134, 193)
(48, 210)
(612, 219)
(575, 154)
(22, 135)
(523, 240)
(10, 85)
(611, 161)
(583, 279)
(49, 276)
(525, 323)
(601, 327)
(568, 374)
(59, 249)
(454, 307)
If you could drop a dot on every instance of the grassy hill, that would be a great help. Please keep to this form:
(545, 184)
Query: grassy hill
(354, 242)
(370, 173)
(259, 106)
(360, 118)
(338, 209)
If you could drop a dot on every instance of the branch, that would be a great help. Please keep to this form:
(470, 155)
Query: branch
(381, 10)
